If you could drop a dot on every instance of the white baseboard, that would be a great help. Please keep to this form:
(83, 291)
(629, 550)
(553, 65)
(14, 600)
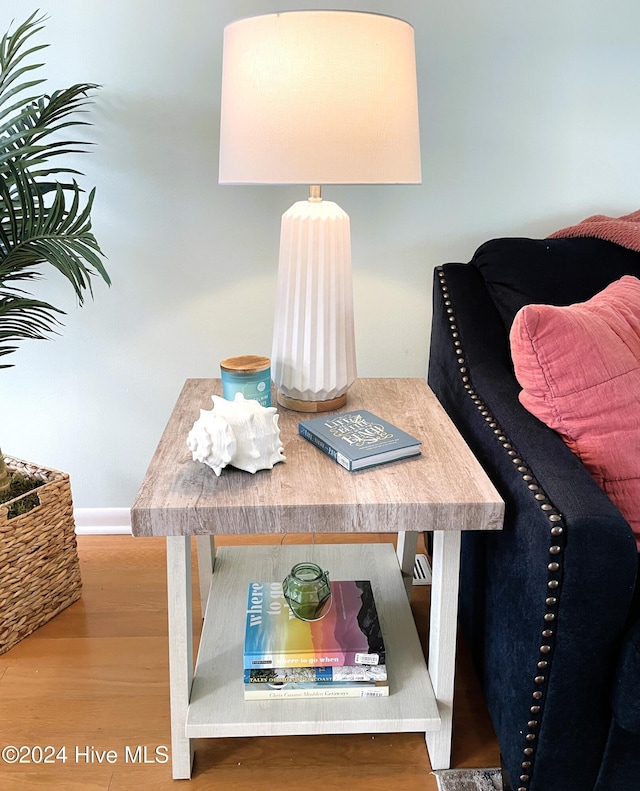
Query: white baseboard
(102, 521)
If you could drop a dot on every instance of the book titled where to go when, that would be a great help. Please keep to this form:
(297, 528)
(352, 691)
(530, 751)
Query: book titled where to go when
(359, 439)
(349, 634)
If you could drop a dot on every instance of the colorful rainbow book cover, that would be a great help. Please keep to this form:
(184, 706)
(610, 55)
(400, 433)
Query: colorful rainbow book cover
(349, 634)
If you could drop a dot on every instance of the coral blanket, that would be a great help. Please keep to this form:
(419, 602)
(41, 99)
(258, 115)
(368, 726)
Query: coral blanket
(624, 230)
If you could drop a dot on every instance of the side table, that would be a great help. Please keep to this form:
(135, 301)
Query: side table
(443, 490)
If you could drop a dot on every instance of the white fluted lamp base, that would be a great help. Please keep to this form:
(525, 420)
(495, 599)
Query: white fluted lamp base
(313, 360)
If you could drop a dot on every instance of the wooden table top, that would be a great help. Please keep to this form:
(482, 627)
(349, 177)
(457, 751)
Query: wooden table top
(442, 489)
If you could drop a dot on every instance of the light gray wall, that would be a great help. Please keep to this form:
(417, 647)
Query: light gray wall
(530, 120)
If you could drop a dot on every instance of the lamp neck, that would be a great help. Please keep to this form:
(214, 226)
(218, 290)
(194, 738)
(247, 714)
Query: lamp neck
(315, 193)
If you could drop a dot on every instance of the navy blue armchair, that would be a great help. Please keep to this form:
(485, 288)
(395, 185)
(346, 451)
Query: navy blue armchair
(550, 606)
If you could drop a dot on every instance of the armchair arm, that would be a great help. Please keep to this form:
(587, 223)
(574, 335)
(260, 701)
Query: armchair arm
(543, 603)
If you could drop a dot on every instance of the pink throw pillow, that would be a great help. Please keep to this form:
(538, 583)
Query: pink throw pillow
(579, 367)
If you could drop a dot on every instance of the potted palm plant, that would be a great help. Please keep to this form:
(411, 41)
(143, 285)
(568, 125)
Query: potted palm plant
(45, 223)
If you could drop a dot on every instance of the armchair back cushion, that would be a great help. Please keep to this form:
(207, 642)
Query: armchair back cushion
(579, 367)
(517, 271)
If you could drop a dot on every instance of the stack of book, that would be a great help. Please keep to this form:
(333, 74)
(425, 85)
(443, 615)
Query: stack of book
(340, 655)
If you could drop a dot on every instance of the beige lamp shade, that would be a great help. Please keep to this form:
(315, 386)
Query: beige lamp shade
(319, 97)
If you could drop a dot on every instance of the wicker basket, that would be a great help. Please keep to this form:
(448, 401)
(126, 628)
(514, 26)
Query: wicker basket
(39, 566)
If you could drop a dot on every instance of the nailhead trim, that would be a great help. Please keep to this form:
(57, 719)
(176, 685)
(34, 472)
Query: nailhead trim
(556, 544)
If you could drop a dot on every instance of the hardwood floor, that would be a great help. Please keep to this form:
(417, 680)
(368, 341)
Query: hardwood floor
(94, 682)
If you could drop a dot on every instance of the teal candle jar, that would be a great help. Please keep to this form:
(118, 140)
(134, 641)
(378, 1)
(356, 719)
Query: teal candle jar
(250, 375)
(308, 591)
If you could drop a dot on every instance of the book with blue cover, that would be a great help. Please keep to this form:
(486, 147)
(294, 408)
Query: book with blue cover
(359, 439)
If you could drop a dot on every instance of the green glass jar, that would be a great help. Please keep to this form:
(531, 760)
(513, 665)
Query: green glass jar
(308, 591)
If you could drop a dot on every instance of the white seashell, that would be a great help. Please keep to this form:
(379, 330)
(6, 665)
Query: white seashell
(242, 433)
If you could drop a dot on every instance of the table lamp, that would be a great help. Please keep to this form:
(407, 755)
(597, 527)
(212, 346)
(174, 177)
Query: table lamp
(316, 98)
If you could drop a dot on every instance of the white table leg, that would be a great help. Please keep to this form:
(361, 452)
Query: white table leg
(180, 650)
(206, 559)
(406, 552)
(442, 639)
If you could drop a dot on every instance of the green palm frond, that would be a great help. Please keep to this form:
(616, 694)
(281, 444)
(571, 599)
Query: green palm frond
(43, 220)
(25, 137)
(22, 318)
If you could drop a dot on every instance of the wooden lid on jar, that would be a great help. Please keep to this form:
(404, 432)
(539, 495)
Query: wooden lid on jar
(245, 364)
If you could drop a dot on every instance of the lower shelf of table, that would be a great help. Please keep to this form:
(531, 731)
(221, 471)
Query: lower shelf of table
(217, 707)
